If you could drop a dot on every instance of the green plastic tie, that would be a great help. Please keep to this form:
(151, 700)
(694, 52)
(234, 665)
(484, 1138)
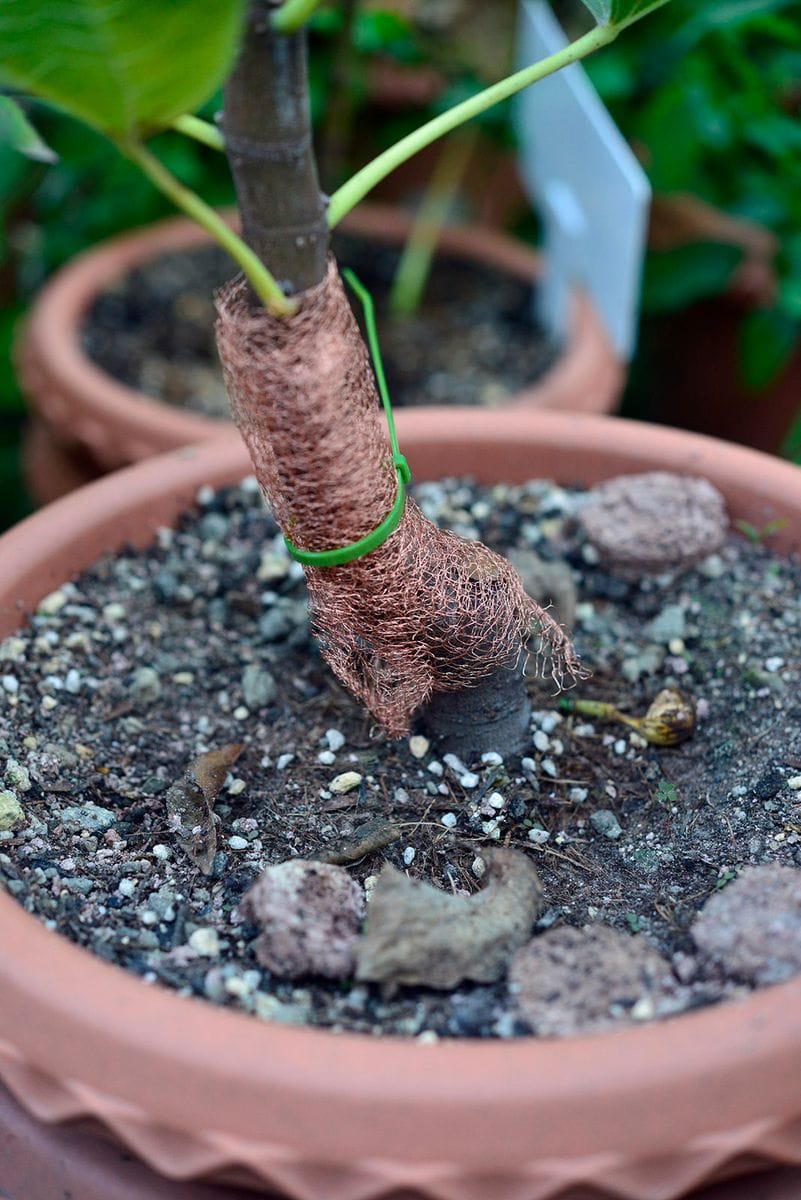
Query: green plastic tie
(371, 541)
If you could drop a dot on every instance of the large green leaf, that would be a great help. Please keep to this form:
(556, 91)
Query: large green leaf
(620, 12)
(17, 131)
(124, 66)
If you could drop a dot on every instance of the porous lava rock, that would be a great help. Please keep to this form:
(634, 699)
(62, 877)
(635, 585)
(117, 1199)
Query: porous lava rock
(568, 980)
(751, 929)
(309, 914)
(655, 521)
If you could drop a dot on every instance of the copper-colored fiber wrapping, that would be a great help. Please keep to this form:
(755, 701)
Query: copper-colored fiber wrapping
(425, 612)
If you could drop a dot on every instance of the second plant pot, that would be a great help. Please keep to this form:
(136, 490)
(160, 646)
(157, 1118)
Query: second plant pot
(87, 411)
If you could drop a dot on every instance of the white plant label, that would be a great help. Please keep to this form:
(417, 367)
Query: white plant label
(590, 190)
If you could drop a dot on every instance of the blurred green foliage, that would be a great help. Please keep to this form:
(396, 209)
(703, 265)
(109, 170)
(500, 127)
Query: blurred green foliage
(710, 96)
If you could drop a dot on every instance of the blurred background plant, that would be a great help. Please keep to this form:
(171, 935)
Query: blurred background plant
(708, 94)
(710, 98)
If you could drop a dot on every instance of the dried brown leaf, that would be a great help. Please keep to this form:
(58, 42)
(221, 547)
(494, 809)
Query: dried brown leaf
(190, 804)
(366, 839)
(416, 934)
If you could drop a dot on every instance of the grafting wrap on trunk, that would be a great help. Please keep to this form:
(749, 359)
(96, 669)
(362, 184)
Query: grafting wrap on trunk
(427, 611)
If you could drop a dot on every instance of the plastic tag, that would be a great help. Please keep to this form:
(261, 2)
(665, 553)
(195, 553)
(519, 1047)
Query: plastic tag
(591, 192)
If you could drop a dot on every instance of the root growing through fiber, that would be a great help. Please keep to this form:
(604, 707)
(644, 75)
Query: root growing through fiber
(427, 612)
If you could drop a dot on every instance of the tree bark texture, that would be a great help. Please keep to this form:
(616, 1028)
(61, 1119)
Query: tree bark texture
(268, 141)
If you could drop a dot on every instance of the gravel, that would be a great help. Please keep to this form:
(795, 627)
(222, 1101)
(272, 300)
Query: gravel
(90, 850)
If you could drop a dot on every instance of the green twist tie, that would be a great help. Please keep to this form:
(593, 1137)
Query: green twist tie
(376, 537)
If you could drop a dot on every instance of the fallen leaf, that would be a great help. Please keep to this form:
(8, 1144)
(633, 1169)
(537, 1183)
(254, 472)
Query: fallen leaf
(371, 836)
(416, 934)
(190, 804)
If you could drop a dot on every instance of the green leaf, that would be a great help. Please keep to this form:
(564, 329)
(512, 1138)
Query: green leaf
(17, 131)
(127, 67)
(600, 9)
(767, 339)
(675, 278)
(623, 12)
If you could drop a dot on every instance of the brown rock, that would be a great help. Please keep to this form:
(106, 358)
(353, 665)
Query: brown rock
(310, 914)
(583, 980)
(416, 934)
(655, 521)
(751, 930)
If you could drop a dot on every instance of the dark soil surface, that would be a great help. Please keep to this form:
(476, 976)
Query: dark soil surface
(151, 658)
(473, 342)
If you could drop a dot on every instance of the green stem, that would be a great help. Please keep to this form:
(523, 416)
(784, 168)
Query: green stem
(201, 131)
(357, 187)
(292, 15)
(415, 261)
(257, 274)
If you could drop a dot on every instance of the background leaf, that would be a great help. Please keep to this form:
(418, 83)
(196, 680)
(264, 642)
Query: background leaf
(124, 66)
(675, 278)
(17, 131)
(767, 339)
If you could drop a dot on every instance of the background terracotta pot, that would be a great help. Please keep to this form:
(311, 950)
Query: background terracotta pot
(695, 379)
(200, 1092)
(85, 408)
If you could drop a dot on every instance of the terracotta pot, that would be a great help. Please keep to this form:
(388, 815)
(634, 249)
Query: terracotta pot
(200, 1092)
(49, 468)
(83, 406)
(695, 383)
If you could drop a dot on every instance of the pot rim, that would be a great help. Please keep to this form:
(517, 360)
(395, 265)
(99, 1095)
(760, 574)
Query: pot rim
(80, 1035)
(52, 358)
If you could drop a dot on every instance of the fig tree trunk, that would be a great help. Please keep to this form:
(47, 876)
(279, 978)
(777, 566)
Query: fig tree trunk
(425, 614)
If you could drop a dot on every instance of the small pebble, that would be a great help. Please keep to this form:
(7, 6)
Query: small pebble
(236, 787)
(492, 759)
(345, 782)
(541, 740)
(53, 603)
(283, 761)
(538, 835)
(11, 811)
(145, 685)
(205, 942)
(258, 687)
(549, 767)
(469, 780)
(17, 776)
(436, 768)
(449, 819)
(73, 682)
(335, 740)
(241, 713)
(238, 843)
(794, 782)
(419, 746)
(327, 758)
(10, 684)
(605, 822)
(408, 856)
